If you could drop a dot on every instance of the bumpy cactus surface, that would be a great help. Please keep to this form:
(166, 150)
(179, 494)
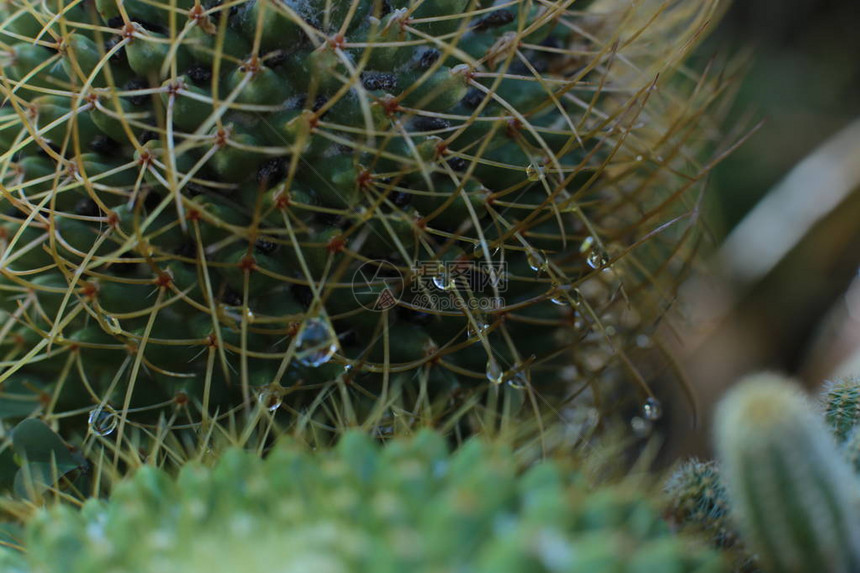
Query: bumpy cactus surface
(698, 504)
(841, 400)
(410, 506)
(341, 210)
(791, 492)
(698, 497)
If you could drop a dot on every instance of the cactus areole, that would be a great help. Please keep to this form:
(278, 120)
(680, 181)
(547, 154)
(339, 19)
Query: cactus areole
(338, 211)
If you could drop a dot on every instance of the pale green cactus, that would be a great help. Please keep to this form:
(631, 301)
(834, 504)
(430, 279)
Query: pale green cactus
(791, 491)
(408, 506)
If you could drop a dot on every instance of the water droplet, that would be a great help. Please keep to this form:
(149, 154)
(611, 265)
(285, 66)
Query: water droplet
(231, 316)
(558, 295)
(640, 426)
(317, 343)
(270, 398)
(652, 409)
(443, 280)
(519, 380)
(102, 421)
(536, 261)
(560, 299)
(477, 328)
(495, 374)
(535, 172)
(234, 313)
(597, 258)
(566, 296)
(112, 324)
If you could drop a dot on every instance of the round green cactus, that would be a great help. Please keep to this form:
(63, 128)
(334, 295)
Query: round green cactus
(410, 506)
(342, 211)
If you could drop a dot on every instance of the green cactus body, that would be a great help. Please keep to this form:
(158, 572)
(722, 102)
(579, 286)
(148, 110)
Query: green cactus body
(215, 183)
(841, 400)
(410, 506)
(851, 450)
(793, 495)
(698, 504)
(699, 498)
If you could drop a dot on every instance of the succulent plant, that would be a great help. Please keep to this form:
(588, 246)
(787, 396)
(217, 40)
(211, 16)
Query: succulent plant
(785, 481)
(793, 493)
(698, 504)
(348, 212)
(358, 507)
(841, 400)
(698, 497)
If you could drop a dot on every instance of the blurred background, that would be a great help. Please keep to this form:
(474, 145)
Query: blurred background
(779, 289)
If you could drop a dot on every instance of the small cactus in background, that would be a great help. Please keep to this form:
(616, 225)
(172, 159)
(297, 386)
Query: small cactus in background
(698, 498)
(842, 413)
(410, 506)
(699, 502)
(191, 192)
(841, 401)
(793, 495)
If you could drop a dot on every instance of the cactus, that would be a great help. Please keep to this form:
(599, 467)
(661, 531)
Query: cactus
(698, 500)
(410, 506)
(698, 504)
(792, 493)
(698, 497)
(841, 400)
(193, 193)
(851, 450)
